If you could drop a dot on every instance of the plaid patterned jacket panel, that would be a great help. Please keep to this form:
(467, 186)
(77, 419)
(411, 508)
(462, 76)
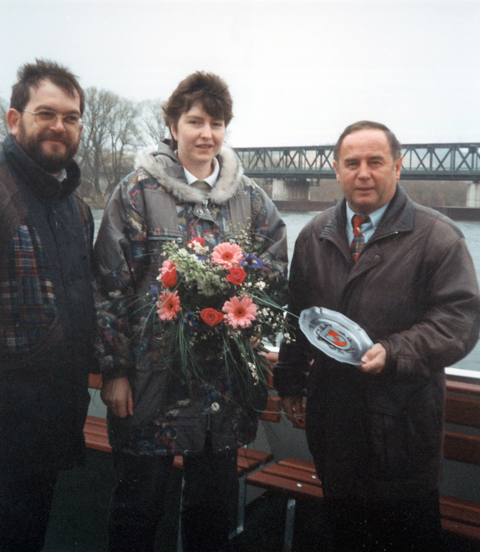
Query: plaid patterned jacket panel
(29, 321)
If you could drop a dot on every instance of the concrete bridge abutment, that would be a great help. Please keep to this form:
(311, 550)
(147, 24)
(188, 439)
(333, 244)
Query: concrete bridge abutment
(473, 194)
(293, 189)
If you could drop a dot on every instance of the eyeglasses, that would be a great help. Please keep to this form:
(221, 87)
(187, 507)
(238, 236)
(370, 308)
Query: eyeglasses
(47, 118)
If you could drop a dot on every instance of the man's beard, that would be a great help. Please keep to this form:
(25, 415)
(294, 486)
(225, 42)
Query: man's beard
(51, 162)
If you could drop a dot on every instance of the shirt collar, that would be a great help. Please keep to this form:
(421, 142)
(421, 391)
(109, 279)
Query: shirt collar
(375, 217)
(210, 180)
(62, 175)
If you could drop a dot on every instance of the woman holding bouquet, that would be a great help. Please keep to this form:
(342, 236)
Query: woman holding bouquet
(189, 192)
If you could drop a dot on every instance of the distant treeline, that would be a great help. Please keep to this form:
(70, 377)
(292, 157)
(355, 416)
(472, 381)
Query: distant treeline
(116, 127)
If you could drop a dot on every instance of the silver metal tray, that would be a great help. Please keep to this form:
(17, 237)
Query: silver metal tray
(335, 334)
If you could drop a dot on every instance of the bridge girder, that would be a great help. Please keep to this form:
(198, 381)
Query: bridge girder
(456, 161)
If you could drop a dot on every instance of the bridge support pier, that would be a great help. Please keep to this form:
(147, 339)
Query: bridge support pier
(279, 189)
(473, 194)
(291, 189)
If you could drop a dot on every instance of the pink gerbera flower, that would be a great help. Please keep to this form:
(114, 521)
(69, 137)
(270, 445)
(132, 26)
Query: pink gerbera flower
(168, 306)
(240, 312)
(227, 254)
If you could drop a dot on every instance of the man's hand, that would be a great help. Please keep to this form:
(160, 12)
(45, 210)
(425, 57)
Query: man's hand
(118, 397)
(373, 361)
(293, 408)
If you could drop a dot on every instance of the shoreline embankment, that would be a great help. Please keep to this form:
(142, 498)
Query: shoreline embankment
(305, 206)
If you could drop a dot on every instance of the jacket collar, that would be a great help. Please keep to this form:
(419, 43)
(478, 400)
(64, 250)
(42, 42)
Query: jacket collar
(163, 165)
(397, 218)
(43, 184)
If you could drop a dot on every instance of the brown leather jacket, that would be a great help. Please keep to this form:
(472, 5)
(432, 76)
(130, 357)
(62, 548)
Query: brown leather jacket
(413, 289)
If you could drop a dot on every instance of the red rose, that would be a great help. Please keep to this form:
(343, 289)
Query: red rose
(237, 275)
(198, 239)
(169, 277)
(211, 316)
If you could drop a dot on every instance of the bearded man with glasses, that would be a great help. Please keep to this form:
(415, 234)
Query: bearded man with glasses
(46, 300)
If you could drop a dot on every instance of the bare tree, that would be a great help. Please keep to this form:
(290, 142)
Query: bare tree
(4, 130)
(122, 141)
(151, 123)
(108, 141)
(97, 104)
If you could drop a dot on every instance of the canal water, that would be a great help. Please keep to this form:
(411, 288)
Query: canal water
(296, 221)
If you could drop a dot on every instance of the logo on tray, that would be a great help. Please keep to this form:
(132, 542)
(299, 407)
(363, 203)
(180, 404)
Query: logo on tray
(334, 338)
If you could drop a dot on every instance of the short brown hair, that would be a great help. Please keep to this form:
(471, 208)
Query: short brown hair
(395, 146)
(207, 89)
(31, 75)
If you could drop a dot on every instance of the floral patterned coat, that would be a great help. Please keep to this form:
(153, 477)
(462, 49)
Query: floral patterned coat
(150, 207)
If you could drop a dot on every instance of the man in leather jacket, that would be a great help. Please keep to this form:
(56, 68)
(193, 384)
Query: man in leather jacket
(405, 276)
(46, 300)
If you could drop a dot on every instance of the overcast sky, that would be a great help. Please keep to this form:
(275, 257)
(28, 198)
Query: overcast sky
(298, 71)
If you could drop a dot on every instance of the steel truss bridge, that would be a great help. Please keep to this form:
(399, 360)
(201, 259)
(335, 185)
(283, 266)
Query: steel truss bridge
(420, 162)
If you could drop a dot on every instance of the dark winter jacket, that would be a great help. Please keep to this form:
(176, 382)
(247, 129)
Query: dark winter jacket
(46, 311)
(414, 290)
(150, 207)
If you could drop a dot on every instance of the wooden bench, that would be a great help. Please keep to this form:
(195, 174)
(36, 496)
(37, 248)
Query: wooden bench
(462, 409)
(95, 431)
(297, 478)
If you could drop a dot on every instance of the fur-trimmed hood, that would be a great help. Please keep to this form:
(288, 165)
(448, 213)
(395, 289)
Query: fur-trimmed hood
(162, 164)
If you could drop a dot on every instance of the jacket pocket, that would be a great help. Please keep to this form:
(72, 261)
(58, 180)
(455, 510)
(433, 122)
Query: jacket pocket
(405, 430)
(389, 437)
(159, 236)
(156, 242)
(175, 238)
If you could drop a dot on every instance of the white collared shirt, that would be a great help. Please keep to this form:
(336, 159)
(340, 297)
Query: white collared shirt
(210, 180)
(368, 228)
(62, 175)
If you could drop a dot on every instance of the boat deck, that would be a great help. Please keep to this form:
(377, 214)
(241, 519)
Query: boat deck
(79, 517)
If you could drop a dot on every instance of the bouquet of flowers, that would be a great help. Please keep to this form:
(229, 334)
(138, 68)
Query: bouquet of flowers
(211, 310)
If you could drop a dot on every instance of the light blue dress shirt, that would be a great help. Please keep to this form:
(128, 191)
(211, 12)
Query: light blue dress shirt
(368, 228)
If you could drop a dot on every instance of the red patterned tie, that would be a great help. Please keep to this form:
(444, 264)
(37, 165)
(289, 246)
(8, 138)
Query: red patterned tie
(358, 242)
